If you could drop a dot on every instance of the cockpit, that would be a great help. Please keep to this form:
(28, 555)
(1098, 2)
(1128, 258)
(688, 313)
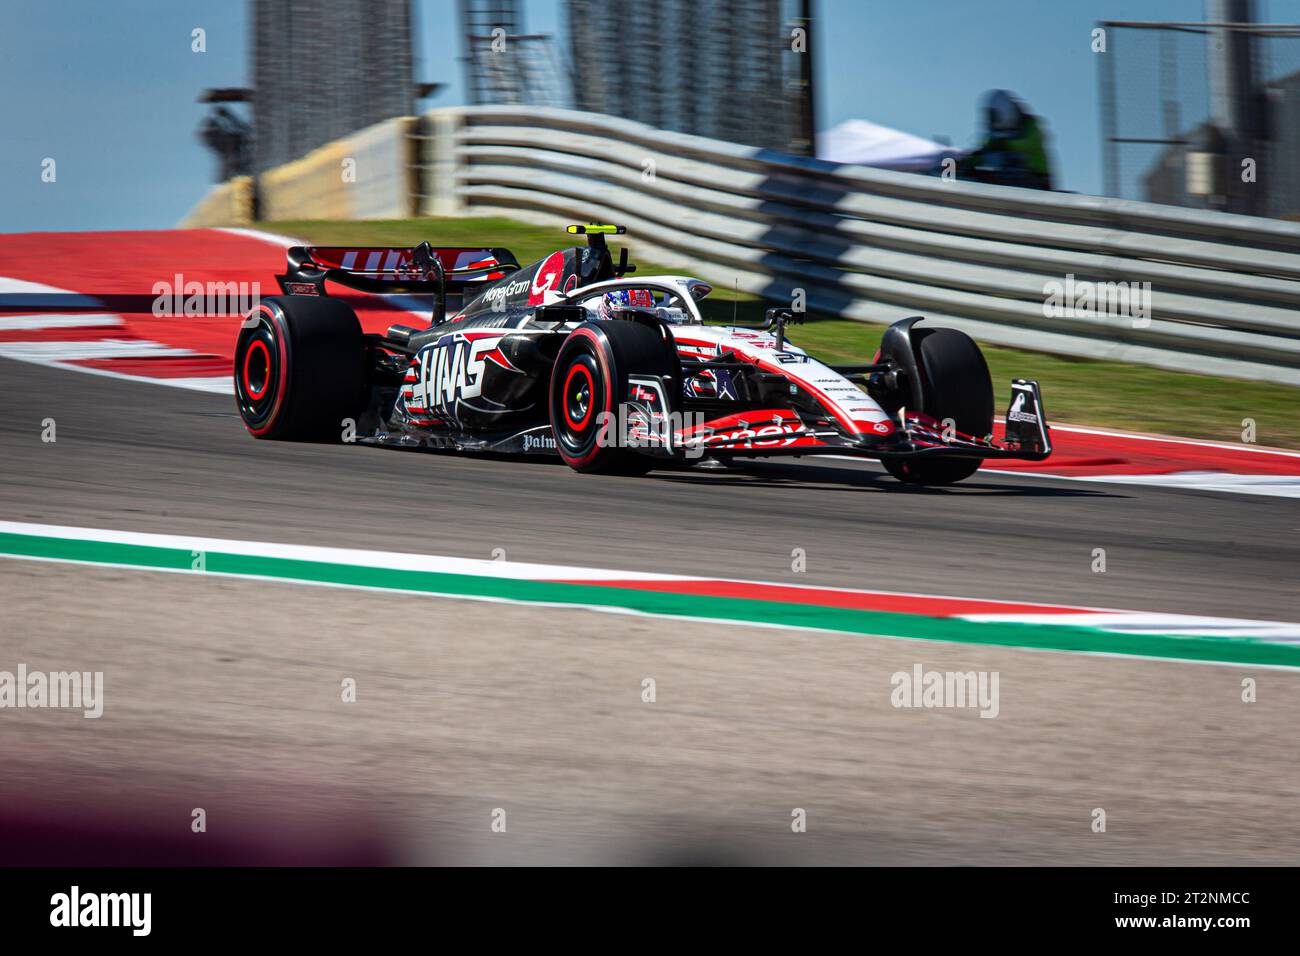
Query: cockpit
(673, 299)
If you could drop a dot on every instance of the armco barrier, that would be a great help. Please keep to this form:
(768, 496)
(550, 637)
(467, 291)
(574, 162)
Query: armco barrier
(864, 244)
(875, 245)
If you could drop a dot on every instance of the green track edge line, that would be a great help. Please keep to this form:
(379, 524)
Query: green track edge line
(778, 613)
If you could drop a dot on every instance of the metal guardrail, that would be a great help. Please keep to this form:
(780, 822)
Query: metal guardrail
(875, 245)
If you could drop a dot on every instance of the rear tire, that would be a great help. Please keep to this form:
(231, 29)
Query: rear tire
(299, 369)
(590, 379)
(957, 385)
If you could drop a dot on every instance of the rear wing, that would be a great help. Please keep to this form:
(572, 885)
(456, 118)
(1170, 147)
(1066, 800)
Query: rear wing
(422, 270)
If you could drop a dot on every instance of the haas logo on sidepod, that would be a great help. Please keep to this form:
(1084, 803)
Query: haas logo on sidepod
(452, 370)
(546, 278)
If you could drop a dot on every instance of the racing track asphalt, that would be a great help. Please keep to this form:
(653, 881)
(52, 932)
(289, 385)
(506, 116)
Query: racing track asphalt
(224, 693)
(143, 457)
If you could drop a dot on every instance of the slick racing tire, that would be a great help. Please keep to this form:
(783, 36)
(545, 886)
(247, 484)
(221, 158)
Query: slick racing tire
(590, 380)
(956, 385)
(299, 369)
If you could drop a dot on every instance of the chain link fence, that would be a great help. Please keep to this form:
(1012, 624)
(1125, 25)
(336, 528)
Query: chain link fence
(1174, 93)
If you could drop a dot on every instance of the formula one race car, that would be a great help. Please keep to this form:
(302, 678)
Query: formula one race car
(572, 356)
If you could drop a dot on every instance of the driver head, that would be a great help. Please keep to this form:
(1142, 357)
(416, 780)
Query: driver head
(620, 299)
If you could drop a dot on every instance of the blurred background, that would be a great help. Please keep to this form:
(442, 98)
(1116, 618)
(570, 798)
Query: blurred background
(118, 99)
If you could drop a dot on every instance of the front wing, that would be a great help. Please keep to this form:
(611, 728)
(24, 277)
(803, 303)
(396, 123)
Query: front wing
(785, 431)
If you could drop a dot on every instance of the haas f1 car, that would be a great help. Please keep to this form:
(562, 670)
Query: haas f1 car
(572, 356)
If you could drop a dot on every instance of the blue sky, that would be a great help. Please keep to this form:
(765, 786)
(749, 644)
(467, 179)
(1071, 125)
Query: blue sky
(108, 89)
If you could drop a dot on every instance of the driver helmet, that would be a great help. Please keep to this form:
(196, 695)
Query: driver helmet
(621, 299)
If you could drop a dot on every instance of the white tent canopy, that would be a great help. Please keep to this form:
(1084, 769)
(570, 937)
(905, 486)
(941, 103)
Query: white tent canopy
(864, 143)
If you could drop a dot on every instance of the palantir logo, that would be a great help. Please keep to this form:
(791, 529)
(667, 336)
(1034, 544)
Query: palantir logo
(1018, 413)
(74, 908)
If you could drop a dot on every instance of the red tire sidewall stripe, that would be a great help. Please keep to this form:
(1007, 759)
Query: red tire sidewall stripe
(602, 358)
(280, 333)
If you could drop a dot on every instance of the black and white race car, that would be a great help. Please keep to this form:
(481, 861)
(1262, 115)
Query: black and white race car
(573, 356)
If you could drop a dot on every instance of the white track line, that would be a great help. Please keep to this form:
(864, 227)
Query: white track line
(1143, 622)
(1223, 482)
(17, 287)
(24, 323)
(392, 560)
(1148, 623)
(63, 355)
(275, 239)
(1167, 439)
(55, 352)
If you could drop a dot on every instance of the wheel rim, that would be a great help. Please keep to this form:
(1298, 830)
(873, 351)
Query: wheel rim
(258, 372)
(578, 389)
(575, 407)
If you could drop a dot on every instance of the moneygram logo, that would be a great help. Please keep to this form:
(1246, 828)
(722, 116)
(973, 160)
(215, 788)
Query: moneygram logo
(499, 293)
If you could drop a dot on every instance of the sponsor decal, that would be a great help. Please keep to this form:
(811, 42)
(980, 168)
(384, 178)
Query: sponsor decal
(545, 442)
(386, 264)
(472, 259)
(499, 293)
(639, 393)
(451, 370)
(393, 264)
(301, 288)
(546, 278)
(1017, 412)
(767, 436)
(712, 383)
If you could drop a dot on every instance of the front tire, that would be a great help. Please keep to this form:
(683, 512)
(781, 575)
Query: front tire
(299, 369)
(955, 384)
(590, 381)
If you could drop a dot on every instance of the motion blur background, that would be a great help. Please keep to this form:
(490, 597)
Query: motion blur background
(126, 139)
